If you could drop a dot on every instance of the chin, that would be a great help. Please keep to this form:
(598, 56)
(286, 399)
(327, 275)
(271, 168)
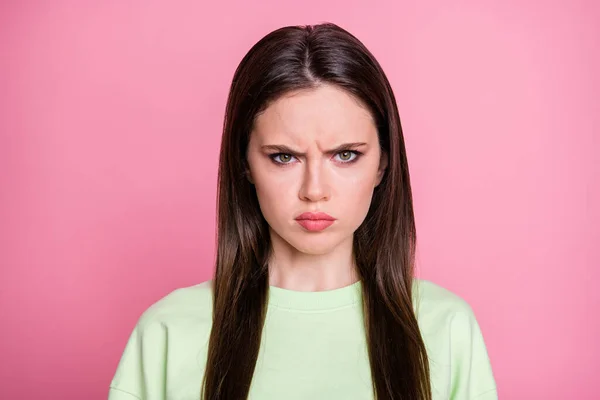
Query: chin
(315, 245)
(314, 251)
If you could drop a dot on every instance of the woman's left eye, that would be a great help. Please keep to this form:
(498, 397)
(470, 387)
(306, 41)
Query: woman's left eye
(346, 156)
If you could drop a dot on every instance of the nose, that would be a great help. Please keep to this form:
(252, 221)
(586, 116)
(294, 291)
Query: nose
(315, 186)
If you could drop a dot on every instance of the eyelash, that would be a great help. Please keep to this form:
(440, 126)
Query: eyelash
(358, 154)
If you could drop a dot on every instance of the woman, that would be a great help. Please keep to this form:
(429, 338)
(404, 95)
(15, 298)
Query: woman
(313, 295)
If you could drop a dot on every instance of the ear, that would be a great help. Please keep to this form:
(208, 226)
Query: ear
(383, 164)
(249, 176)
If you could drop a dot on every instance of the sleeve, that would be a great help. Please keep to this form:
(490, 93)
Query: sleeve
(118, 394)
(141, 372)
(472, 376)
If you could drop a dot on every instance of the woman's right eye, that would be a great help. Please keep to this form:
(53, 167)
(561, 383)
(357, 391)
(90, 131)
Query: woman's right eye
(284, 158)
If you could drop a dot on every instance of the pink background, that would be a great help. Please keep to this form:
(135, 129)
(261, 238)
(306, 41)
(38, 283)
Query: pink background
(110, 123)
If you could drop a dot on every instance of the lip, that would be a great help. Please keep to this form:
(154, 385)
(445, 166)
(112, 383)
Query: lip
(315, 222)
(318, 216)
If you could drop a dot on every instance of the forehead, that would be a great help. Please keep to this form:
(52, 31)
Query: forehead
(327, 114)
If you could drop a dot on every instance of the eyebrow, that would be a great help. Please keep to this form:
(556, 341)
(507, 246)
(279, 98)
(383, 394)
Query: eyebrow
(288, 150)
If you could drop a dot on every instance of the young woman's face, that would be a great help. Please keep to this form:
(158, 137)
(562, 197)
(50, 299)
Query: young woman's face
(315, 151)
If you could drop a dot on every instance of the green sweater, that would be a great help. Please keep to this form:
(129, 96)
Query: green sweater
(313, 347)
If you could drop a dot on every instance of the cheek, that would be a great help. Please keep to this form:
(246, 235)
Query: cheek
(275, 198)
(355, 199)
(356, 186)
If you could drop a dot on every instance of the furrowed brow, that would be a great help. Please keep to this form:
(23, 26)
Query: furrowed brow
(280, 148)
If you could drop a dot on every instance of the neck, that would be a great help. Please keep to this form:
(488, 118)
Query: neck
(311, 270)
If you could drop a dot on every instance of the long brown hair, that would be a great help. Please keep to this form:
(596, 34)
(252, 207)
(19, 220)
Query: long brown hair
(302, 57)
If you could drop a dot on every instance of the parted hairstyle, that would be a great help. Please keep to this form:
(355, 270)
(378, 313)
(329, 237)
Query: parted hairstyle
(289, 59)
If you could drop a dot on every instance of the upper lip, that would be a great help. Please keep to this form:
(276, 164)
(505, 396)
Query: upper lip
(315, 216)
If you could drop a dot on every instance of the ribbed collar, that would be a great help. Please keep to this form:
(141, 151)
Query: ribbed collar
(315, 301)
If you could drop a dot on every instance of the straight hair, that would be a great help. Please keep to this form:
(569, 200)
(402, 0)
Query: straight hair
(289, 59)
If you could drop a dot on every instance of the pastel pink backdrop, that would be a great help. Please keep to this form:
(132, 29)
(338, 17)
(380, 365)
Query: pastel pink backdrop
(110, 122)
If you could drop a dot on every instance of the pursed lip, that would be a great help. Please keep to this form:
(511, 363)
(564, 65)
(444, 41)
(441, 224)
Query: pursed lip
(315, 216)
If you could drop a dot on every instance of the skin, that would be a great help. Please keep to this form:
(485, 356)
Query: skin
(341, 184)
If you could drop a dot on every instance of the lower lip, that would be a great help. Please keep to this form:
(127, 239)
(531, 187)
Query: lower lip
(315, 225)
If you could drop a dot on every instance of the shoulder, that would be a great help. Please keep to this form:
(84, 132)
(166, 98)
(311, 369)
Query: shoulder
(432, 296)
(455, 345)
(175, 328)
(437, 307)
(189, 303)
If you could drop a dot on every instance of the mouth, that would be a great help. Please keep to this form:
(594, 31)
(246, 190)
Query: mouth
(315, 222)
(315, 216)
